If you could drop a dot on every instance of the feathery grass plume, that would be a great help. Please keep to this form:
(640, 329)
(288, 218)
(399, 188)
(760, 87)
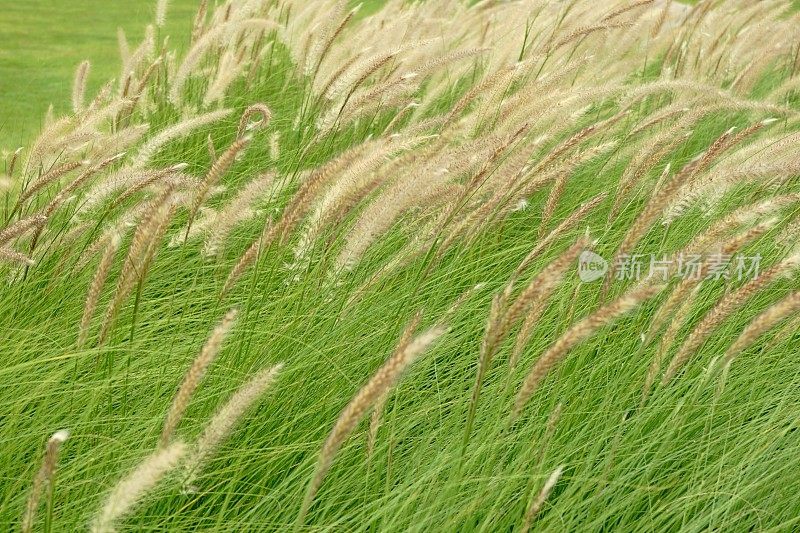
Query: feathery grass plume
(660, 116)
(556, 192)
(576, 334)
(379, 384)
(158, 213)
(45, 479)
(176, 131)
(9, 255)
(147, 179)
(445, 59)
(368, 103)
(206, 218)
(760, 325)
(210, 38)
(239, 209)
(483, 87)
(198, 27)
(426, 179)
(119, 226)
(350, 80)
(344, 67)
(134, 61)
(473, 184)
(21, 227)
(541, 287)
(275, 145)
(122, 140)
(49, 177)
(626, 9)
(646, 218)
(489, 346)
(503, 202)
(349, 188)
(58, 129)
(153, 243)
(335, 24)
(12, 162)
(549, 160)
(246, 125)
(550, 430)
(693, 188)
(77, 183)
(726, 306)
(699, 245)
(662, 19)
(161, 12)
(293, 213)
(746, 214)
(230, 67)
(215, 173)
(67, 191)
(96, 286)
(225, 419)
(787, 331)
(537, 503)
(79, 86)
(524, 334)
(127, 493)
(586, 31)
(648, 156)
(268, 234)
(195, 374)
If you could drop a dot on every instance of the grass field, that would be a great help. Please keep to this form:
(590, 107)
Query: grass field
(307, 269)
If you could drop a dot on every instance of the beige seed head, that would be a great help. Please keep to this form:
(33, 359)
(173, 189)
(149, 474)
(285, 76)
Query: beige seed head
(127, 493)
(195, 374)
(79, 86)
(379, 384)
(724, 308)
(576, 334)
(96, 286)
(761, 324)
(44, 477)
(161, 12)
(225, 419)
(377, 410)
(541, 497)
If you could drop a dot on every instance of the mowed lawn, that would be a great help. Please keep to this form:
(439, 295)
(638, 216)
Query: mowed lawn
(42, 42)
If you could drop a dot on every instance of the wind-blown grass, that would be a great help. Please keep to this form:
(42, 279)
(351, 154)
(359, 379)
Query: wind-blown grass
(521, 129)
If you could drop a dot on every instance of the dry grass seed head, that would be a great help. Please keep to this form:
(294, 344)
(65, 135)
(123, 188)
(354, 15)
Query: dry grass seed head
(195, 374)
(44, 477)
(225, 419)
(127, 493)
(576, 334)
(379, 384)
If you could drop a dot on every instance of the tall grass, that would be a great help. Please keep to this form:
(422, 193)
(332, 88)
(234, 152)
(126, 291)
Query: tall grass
(352, 180)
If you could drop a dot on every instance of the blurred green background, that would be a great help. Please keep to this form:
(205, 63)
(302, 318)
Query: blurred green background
(43, 41)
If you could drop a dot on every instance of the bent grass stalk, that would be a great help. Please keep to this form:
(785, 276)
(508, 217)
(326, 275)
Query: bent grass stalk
(379, 384)
(128, 491)
(577, 334)
(225, 419)
(45, 479)
(195, 374)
